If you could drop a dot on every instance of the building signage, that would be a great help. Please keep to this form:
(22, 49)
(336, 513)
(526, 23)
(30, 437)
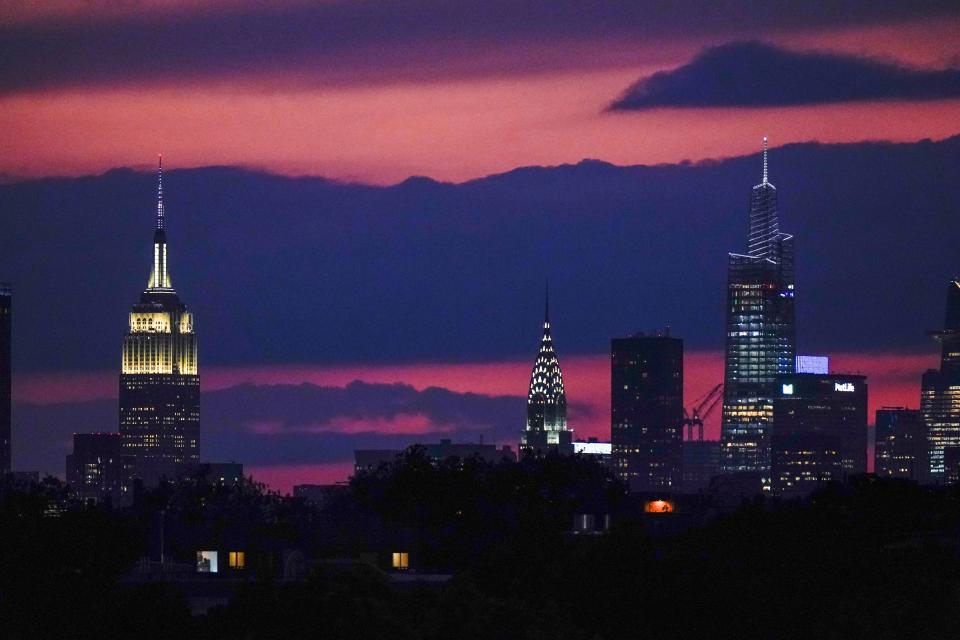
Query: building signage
(843, 386)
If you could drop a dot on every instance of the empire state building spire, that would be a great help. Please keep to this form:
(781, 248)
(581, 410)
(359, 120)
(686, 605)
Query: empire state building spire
(159, 275)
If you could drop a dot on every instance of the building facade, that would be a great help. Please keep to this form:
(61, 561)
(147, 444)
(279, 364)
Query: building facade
(701, 462)
(900, 450)
(760, 334)
(819, 430)
(646, 410)
(95, 469)
(546, 428)
(6, 352)
(159, 381)
(940, 390)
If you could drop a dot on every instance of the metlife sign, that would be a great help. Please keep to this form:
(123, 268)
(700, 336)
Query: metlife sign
(846, 387)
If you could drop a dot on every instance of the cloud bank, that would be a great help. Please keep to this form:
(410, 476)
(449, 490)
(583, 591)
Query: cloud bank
(264, 425)
(755, 74)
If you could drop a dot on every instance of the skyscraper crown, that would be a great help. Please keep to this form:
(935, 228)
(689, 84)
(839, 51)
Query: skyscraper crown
(546, 379)
(764, 224)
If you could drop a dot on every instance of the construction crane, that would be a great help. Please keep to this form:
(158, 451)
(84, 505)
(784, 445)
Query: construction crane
(705, 406)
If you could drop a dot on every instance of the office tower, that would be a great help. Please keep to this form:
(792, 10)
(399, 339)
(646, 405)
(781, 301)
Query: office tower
(6, 350)
(819, 430)
(940, 389)
(900, 450)
(646, 409)
(95, 469)
(159, 385)
(760, 341)
(701, 462)
(546, 401)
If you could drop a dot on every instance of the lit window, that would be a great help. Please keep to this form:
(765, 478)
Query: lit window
(206, 561)
(238, 559)
(401, 560)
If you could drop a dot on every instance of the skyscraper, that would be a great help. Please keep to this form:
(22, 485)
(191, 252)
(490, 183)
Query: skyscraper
(940, 389)
(546, 400)
(819, 431)
(646, 409)
(6, 299)
(760, 341)
(901, 444)
(159, 384)
(95, 469)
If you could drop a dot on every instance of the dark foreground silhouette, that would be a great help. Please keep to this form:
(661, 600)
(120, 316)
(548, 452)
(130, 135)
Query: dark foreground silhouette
(871, 559)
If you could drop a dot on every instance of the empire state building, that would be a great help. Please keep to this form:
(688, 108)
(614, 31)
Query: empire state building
(159, 384)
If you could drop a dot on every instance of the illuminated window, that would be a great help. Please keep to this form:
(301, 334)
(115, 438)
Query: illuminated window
(401, 560)
(238, 559)
(206, 561)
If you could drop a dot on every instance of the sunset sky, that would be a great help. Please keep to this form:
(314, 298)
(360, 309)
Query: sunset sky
(374, 92)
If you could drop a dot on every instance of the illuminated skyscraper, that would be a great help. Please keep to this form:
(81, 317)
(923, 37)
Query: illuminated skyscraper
(546, 401)
(5, 397)
(159, 385)
(940, 389)
(760, 334)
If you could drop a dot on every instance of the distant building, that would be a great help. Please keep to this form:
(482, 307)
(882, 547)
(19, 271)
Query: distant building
(6, 350)
(701, 462)
(95, 469)
(159, 384)
(760, 331)
(940, 390)
(369, 459)
(317, 495)
(646, 409)
(546, 400)
(819, 430)
(951, 465)
(225, 473)
(602, 452)
(812, 364)
(900, 450)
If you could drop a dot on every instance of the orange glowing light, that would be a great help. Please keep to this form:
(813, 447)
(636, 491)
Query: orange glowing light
(658, 506)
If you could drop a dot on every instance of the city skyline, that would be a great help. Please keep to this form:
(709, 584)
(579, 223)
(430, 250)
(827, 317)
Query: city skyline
(375, 191)
(590, 407)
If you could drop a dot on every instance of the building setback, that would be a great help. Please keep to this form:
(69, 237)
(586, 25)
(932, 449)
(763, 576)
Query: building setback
(760, 334)
(159, 383)
(6, 350)
(646, 409)
(901, 444)
(546, 427)
(940, 390)
(819, 431)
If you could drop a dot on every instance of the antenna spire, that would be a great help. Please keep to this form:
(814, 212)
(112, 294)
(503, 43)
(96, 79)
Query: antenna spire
(160, 192)
(764, 159)
(546, 310)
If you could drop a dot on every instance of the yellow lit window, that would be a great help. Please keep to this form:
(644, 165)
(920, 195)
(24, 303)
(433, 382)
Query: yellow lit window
(401, 560)
(237, 559)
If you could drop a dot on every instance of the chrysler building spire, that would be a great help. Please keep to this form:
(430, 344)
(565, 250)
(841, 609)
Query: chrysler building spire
(546, 400)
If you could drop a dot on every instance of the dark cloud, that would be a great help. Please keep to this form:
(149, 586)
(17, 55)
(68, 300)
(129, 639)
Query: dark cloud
(319, 43)
(754, 74)
(306, 420)
(284, 271)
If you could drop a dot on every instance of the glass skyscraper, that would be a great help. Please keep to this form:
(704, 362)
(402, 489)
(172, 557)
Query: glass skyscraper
(760, 341)
(940, 389)
(159, 384)
(546, 400)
